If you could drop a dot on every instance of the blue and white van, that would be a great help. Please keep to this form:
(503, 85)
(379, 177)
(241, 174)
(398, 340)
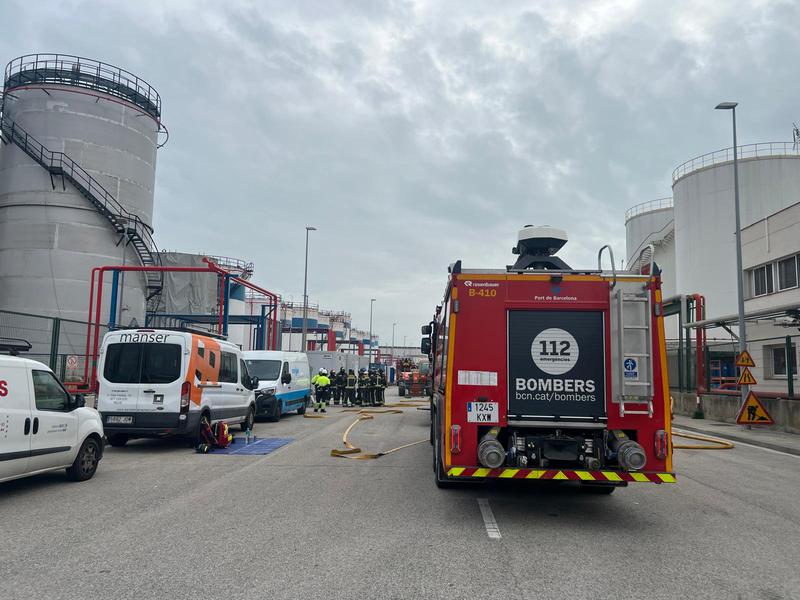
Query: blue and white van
(284, 382)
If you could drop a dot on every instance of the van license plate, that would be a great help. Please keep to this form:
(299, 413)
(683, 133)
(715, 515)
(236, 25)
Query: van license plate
(119, 420)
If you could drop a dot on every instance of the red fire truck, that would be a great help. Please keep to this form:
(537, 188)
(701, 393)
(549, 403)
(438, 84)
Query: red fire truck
(544, 372)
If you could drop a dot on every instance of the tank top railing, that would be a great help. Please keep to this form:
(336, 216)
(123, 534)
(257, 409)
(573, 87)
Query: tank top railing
(745, 151)
(138, 233)
(65, 69)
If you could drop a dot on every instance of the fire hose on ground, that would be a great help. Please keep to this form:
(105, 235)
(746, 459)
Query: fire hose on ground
(356, 453)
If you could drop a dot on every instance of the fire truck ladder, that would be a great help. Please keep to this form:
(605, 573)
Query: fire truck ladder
(635, 318)
(132, 229)
(635, 343)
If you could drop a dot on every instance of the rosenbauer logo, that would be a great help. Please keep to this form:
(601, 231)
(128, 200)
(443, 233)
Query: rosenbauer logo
(484, 284)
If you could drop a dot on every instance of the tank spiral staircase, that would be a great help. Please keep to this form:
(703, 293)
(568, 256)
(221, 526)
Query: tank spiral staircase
(130, 227)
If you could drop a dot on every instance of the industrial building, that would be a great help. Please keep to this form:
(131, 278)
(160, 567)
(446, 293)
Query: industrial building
(693, 237)
(77, 248)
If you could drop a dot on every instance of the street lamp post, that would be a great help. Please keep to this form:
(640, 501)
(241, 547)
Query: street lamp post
(393, 326)
(371, 302)
(731, 106)
(305, 294)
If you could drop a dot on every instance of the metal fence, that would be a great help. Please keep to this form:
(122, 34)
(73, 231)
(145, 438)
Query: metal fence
(58, 343)
(745, 151)
(645, 207)
(776, 366)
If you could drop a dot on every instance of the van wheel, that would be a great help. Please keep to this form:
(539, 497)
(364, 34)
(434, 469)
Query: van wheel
(249, 420)
(86, 461)
(197, 439)
(302, 409)
(118, 440)
(276, 416)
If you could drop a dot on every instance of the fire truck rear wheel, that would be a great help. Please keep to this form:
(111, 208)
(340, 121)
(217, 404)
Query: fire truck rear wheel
(442, 481)
(600, 490)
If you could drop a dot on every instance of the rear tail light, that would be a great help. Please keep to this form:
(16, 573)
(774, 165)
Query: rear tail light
(185, 389)
(662, 444)
(455, 439)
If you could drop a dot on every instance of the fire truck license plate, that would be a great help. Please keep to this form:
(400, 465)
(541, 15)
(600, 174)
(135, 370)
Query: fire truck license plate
(483, 412)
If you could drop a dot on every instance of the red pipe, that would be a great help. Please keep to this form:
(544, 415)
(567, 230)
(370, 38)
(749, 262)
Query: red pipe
(96, 347)
(212, 267)
(89, 328)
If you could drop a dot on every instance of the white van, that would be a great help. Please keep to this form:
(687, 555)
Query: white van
(42, 426)
(284, 383)
(156, 383)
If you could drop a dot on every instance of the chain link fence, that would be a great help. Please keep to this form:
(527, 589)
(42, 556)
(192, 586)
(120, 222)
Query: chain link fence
(58, 343)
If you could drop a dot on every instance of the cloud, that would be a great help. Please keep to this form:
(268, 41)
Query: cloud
(413, 134)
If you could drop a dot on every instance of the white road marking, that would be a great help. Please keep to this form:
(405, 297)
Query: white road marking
(492, 530)
(738, 443)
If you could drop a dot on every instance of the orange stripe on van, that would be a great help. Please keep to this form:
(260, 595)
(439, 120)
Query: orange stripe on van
(204, 362)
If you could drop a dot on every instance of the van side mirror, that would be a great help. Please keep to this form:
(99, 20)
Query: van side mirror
(425, 346)
(78, 401)
(286, 378)
(427, 330)
(254, 383)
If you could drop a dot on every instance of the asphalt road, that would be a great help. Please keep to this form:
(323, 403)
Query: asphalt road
(159, 521)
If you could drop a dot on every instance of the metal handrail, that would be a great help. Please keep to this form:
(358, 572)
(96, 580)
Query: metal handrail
(82, 72)
(613, 266)
(237, 264)
(59, 162)
(645, 207)
(726, 155)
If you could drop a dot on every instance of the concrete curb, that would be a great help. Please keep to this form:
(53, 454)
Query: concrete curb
(741, 439)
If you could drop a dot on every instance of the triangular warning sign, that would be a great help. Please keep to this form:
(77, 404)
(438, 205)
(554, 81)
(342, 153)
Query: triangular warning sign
(745, 360)
(746, 378)
(753, 412)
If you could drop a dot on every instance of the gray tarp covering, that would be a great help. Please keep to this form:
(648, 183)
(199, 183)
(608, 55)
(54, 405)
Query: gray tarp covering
(188, 293)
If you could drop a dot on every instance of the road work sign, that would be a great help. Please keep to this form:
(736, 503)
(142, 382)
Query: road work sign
(753, 412)
(746, 378)
(745, 360)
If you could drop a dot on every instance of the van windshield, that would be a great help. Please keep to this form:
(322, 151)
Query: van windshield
(265, 370)
(142, 363)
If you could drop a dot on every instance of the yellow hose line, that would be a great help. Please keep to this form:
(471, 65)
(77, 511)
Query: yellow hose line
(718, 444)
(351, 451)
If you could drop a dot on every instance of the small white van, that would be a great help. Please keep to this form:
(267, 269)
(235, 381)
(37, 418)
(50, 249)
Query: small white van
(284, 383)
(158, 383)
(42, 426)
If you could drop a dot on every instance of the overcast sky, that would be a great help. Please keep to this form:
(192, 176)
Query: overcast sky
(413, 134)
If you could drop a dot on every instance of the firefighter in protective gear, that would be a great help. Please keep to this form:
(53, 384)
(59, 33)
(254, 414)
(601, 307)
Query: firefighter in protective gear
(341, 380)
(373, 388)
(350, 387)
(380, 386)
(322, 385)
(363, 387)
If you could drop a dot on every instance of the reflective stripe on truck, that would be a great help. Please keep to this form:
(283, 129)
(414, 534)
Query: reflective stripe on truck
(562, 474)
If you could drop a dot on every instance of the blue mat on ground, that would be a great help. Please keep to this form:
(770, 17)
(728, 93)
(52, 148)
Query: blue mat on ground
(255, 447)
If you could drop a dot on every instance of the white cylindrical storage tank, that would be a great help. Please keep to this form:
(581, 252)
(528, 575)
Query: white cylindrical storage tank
(236, 307)
(102, 125)
(653, 223)
(703, 197)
